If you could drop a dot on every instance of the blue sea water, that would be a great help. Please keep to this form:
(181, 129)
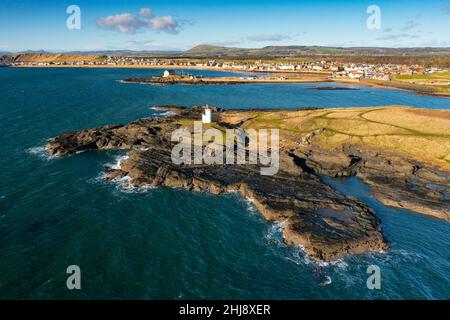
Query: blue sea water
(172, 244)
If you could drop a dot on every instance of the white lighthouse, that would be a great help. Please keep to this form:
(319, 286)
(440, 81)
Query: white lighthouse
(206, 117)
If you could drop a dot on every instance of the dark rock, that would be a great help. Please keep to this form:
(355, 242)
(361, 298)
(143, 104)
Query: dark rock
(323, 221)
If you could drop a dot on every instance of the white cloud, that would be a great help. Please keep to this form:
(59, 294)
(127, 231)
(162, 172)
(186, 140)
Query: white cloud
(166, 24)
(130, 23)
(124, 22)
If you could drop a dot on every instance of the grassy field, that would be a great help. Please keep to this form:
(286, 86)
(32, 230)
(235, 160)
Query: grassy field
(422, 134)
(440, 76)
(436, 82)
(420, 87)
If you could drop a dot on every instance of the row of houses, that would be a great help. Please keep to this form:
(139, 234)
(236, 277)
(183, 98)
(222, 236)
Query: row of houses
(335, 69)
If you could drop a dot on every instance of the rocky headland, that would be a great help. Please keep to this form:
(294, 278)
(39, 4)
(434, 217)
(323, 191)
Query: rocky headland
(198, 80)
(326, 223)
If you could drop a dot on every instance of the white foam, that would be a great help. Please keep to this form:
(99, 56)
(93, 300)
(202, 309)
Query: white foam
(250, 206)
(123, 183)
(132, 82)
(162, 113)
(117, 164)
(397, 256)
(300, 257)
(275, 233)
(167, 114)
(41, 152)
(326, 282)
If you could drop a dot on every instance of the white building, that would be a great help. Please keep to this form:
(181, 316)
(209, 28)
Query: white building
(206, 118)
(167, 73)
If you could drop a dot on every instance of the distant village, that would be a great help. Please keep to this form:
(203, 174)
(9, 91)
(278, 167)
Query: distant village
(333, 69)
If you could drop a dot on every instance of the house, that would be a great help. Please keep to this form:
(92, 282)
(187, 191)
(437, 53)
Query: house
(356, 74)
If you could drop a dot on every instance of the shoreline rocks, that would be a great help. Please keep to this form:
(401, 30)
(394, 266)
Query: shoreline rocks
(324, 222)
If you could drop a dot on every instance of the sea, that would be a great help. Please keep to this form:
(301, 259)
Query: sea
(162, 243)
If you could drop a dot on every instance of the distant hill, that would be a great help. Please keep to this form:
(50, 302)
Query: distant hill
(34, 51)
(205, 49)
(274, 51)
(439, 57)
(212, 51)
(46, 57)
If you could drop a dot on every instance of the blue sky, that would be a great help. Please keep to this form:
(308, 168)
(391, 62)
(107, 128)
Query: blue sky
(179, 25)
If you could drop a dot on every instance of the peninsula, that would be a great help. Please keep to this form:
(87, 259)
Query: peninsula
(405, 163)
(174, 78)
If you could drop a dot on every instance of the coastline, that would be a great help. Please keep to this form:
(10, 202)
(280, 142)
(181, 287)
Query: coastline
(136, 66)
(383, 84)
(296, 194)
(310, 77)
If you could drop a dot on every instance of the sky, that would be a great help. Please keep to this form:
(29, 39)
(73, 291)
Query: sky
(180, 25)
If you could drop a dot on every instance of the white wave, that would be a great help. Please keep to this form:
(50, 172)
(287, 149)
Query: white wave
(162, 113)
(167, 114)
(300, 257)
(117, 164)
(41, 152)
(326, 281)
(275, 233)
(396, 256)
(339, 263)
(123, 81)
(123, 183)
(250, 206)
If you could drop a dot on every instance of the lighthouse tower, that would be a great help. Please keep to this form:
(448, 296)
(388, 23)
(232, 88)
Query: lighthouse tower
(206, 117)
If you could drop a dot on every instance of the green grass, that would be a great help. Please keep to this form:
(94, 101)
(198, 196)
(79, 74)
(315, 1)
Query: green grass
(397, 130)
(435, 76)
